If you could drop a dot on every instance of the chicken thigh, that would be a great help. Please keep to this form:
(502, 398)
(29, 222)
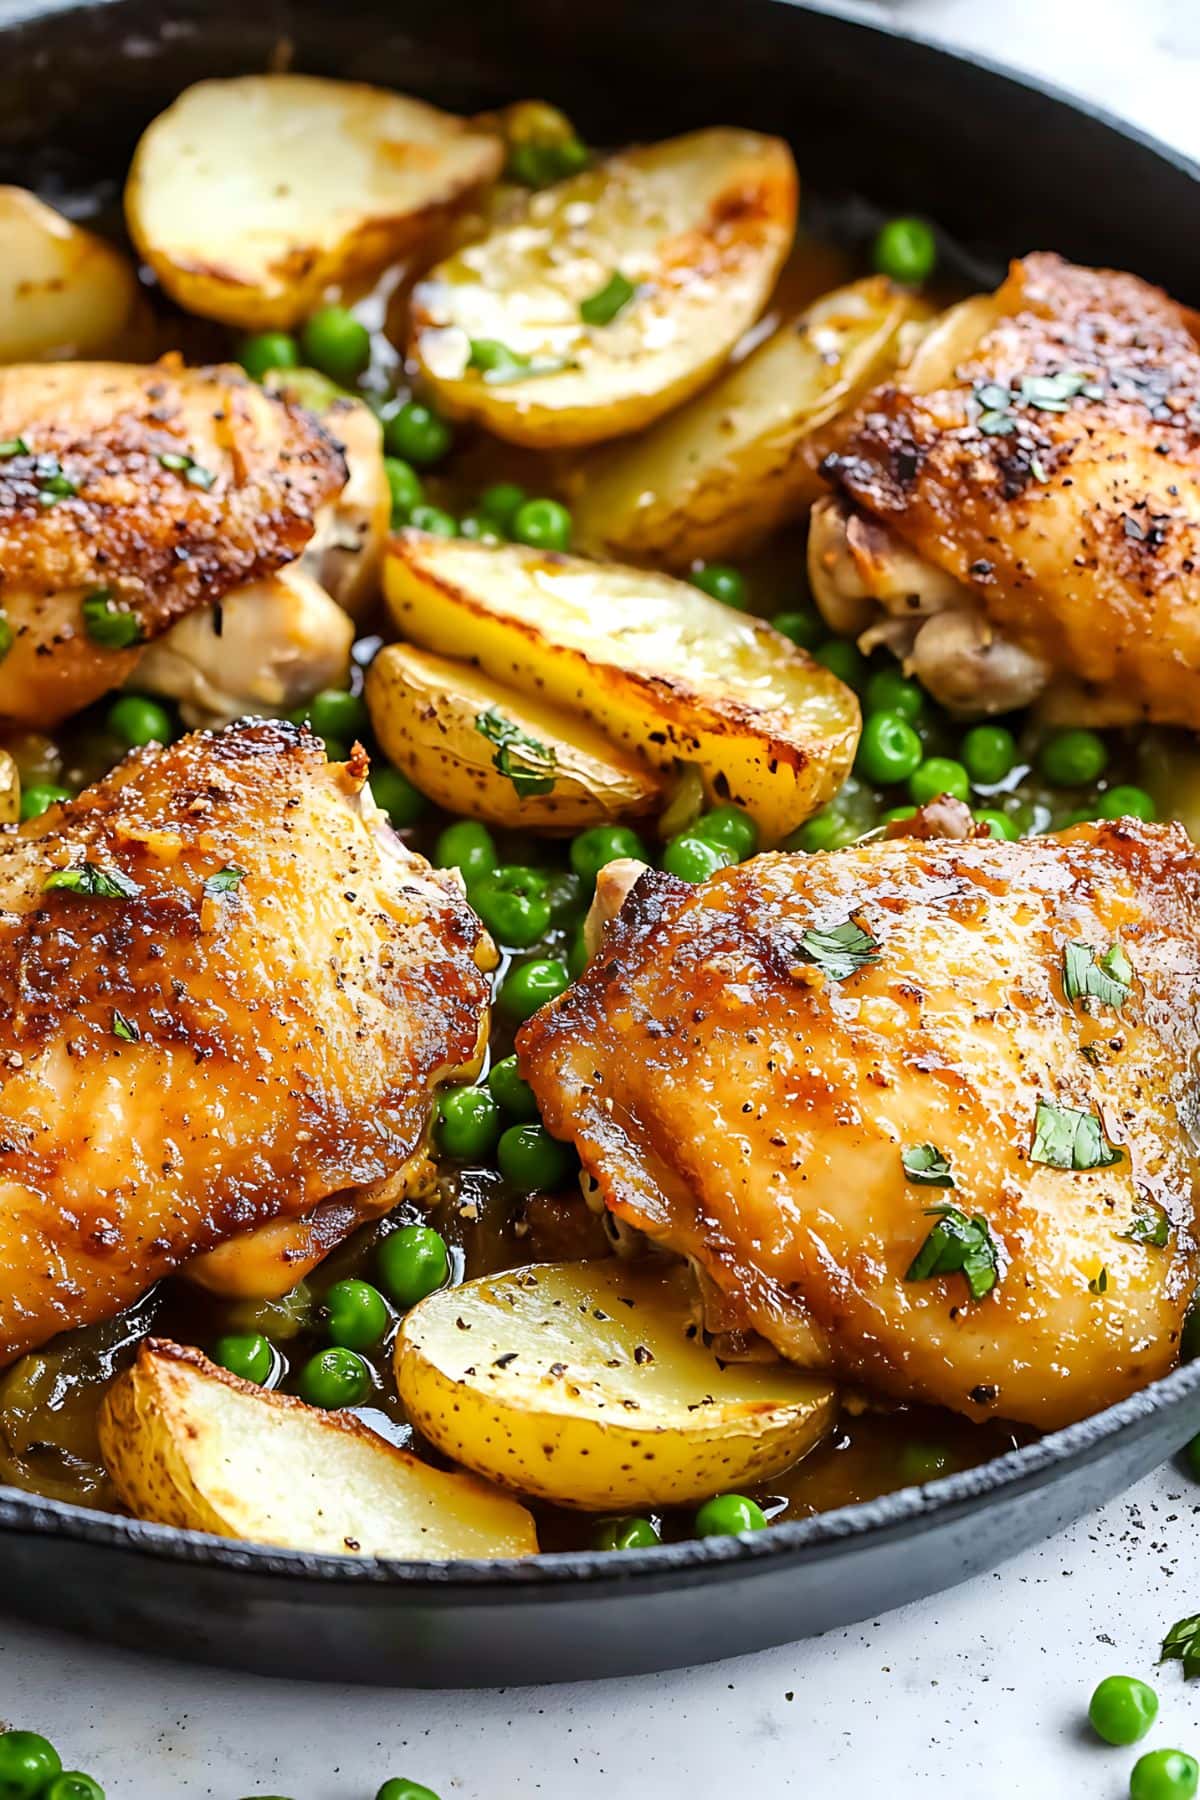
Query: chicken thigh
(923, 1113)
(1023, 502)
(227, 996)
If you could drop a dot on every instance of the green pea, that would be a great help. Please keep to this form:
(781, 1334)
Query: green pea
(890, 691)
(694, 859)
(532, 1160)
(135, 720)
(394, 792)
(936, 776)
(826, 830)
(531, 985)
(245, 1353)
(999, 824)
(577, 957)
(920, 1463)
(39, 799)
(72, 1784)
(602, 844)
(1122, 1709)
(333, 713)
(333, 1378)
(722, 583)
(804, 628)
(1073, 758)
(541, 165)
(511, 1091)
(988, 754)
(905, 250)
(468, 1123)
(478, 529)
(468, 846)
(513, 904)
(627, 1534)
(27, 1763)
(564, 891)
(400, 1788)
(730, 826)
(268, 350)
(1164, 1775)
(843, 659)
(356, 1314)
(895, 813)
(412, 1262)
(417, 434)
(889, 750)
(337, 343)
(404, 485)
(435, 520)
(543, 525)
(501, 503)
(1127, 802)
(335, 750)
(727, 1514)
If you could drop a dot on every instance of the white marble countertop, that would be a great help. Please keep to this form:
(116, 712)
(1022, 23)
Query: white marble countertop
(976, 1695)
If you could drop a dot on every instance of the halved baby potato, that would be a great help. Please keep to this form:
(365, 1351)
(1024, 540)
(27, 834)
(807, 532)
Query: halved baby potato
(665, 672)
(250, 198)
(64, 292)
(189, 1445)
(477, 747)
(688, 235)
(589, 1384)
(720, 475)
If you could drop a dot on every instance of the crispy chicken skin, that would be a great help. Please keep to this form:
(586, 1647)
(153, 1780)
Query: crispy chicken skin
(1070, 519)
(164, 540)
(181, 1065)
(749, 1112)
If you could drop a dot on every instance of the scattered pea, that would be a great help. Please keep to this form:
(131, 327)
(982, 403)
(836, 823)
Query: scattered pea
(803, 628)
(730, 826)
(268, 350)
(400, 1788)
(247, 1353)
(501, 503)
(411, 1263)
(988, 753)
(513, 904)
(627, 1534)
(936, 776)
(337, 343)
(532, 1160)
(334, 1378)
(478, 529)
(334, 713)
(577, 957)
(27, 1763)
(435, 520)
(602, 844)
(542, 524)
(999, 824)
(905, 250)
(694, 859)
(417, 433)
(1127, 802)
(891, 691)
(511, 1091)
(722, 583)
(72, 1784)
(1073, 758)
(843, 659)
(1122, 1709)
(826, 830)
(529, 986)
(1164, 1775)
(468, 846)
(468, 1123)
(137, 720)
(725, 1515)
(394, 792)
(40, 798)
(920, 1463)
(405, 487)
(889, 750)
(356, 1314)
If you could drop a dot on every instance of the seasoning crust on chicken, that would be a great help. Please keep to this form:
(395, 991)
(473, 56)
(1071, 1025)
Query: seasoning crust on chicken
(749, 1106)
(236, 1012)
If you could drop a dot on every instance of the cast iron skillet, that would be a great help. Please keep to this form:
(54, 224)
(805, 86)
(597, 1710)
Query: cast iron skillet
(1006, 167)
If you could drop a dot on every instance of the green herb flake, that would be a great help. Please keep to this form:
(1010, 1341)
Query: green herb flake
(958, 1245)
(89, 879)
(1182, 1644)
(1087, 977)
(530, 766)
(224, 881)
(13, 447)
(839, 951)
(111, 626)
(6, 636)
(53, 483)
(194, 473)
(498, 364)
(926, 1165)
(1099, 1283)
(994, 423)
(1051, 393)
(602, 307)
(1150, 1226)
(124, 1028)
(1066, 1138)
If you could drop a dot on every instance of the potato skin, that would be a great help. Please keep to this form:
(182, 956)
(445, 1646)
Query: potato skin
(64, 291)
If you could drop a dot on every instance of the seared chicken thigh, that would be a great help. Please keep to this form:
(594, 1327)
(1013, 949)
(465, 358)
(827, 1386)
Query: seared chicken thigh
(789, 1073)
(1023, 502)
(227, 995)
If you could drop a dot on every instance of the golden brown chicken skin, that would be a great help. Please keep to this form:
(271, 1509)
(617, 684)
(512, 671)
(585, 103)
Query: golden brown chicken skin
(248, 1017)
(749, 1108)
(1042, 451)
(129, 497)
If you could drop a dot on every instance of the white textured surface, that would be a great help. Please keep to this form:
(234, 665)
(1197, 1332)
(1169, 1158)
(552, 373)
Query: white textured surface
(977, 1695)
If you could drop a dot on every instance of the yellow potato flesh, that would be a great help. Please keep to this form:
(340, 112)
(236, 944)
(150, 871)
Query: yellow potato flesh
(189, 1445)
(662, 669)
(64, 292)
(721, 474)
(426, 712)
(588, 1384)
(699, 225)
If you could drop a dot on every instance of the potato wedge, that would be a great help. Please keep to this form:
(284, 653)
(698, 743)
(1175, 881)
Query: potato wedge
(663, 670)
(587, 1384)
(64, 292)
(188, 1444)
(482, 749)
(699, 225)
(250, 198)
(721, 474)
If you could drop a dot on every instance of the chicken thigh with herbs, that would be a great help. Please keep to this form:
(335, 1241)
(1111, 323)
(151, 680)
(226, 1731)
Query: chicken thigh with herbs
(228, 994)
(921, 1113)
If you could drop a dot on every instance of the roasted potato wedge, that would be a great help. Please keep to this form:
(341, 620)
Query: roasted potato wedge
(664, 671)
(697, 227)
(64, 292)
(720, 475)
(482, 749)
(588, 1384)
(188, 1444)
(250, 198)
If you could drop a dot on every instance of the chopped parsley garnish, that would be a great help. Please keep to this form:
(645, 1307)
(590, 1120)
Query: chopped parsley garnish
(602, 307)
(225, 880)
(1182, 1644)
(109, 625)
(1088, 977)
(124, 1028)
(1099, 1283)
(497, 363)
(531, 767)
(194, 473)
(1064, 1137)
(6, 637)
(957, 1245)
(1045, 393)
(839, 951)
(13, 447)
(926, 1165)
(90, 879)
(1149, 1226)
(1051, 393)
(53, 483)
